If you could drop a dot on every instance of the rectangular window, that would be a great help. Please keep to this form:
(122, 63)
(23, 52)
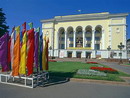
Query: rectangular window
(97, 46)
(88, 38)
(115, 54)
(70, 45)
(120, 54)
(62, 46)
(69, 54)
(88, 45)
(62, 38)
(97, 38)
(71, 39)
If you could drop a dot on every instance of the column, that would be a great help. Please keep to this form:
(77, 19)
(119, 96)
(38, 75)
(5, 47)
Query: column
(74, 38)
(103, 38)
(93, 39)
(57, 40)
(83, 39)
(65, 40)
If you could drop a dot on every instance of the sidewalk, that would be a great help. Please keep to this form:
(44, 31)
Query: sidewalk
(125, 69)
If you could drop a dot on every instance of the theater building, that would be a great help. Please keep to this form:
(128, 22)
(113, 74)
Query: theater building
(86, 35)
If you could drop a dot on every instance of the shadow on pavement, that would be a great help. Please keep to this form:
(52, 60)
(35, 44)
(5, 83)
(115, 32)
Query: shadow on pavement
(57, 78)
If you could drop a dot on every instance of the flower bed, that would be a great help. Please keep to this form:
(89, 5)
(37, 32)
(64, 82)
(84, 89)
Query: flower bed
(106, 70)
(91, 62)
(52, 61)
(90, 72)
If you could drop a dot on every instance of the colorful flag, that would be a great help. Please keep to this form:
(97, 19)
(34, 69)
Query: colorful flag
(36, 49)
(44, 59)
(22, 68)
(16, 53)
(24, 28)
(47, 53)
(11, 48)
(40, 51)
(30, 25)
(3, 52)
(30, 54)
(9, 56)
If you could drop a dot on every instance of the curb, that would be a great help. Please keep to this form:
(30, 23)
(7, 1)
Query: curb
(99, 81)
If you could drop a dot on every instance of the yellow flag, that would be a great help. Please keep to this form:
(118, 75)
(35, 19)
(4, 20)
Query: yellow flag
(22, 69)
(44, 60)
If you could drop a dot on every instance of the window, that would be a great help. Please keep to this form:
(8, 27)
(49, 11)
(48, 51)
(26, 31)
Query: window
(62, 33)
(115, 54)
(79, 32)
(97, 46)
(117, 30)
(97, 31)
(70, 45)
(88, 45)
(62, 46)
(62, 38)
(88, 38)
(71, 39)
(69, 54)
(120, 54)
(97, 38)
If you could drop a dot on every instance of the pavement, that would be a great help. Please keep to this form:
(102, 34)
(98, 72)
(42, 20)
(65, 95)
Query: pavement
(66, 90)
(71, 89)
(125, 69)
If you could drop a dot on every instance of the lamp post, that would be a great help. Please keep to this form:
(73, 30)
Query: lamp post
(121, 46)
(109, 48)
(50, 48)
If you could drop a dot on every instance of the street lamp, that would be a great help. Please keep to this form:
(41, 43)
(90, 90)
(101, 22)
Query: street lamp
(50, 48)
(109, 48)
(121, 46)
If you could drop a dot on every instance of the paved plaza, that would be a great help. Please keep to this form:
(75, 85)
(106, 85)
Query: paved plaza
(66, 90)
(70, 89)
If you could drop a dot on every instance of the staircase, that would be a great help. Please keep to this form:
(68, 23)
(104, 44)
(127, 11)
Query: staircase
(80, 60)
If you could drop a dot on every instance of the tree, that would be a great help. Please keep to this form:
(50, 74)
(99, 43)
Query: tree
(3, 27)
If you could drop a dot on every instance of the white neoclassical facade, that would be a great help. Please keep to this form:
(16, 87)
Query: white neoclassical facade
(86, 35)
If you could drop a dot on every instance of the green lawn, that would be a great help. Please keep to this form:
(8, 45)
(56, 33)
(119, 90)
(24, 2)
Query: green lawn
(69, 69)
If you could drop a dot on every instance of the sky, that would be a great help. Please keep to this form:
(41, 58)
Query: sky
(20, 11)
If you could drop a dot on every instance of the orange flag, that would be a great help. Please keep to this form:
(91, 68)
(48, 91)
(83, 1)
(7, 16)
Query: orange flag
(16, 53)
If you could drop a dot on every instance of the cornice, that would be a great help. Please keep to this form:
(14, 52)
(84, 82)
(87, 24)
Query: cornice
(95, 16)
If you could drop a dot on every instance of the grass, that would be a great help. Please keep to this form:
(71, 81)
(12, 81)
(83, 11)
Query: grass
(69, 69)
(127, 64)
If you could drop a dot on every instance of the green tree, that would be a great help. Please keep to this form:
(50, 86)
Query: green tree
(3, 27)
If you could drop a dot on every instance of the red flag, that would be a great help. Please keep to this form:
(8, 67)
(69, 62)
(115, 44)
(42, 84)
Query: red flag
(30, 54)
(24, 28)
